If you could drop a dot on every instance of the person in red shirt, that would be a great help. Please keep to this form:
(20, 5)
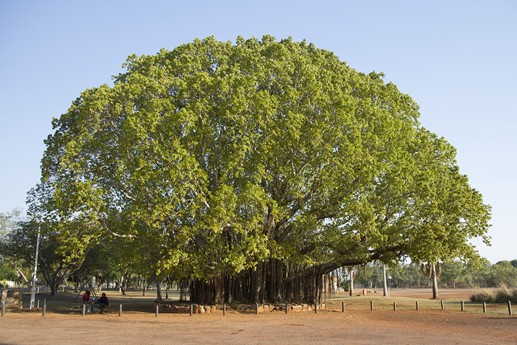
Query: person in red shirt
(87, 301)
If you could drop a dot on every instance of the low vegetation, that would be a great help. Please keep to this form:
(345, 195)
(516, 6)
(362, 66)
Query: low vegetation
(501, 295)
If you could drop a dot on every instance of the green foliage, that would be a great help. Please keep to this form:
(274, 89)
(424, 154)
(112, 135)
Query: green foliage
(504, 274)
(478, 273)
(214, 157)
(9, 222)
(55, 259)
(369, 276)
(7, 272)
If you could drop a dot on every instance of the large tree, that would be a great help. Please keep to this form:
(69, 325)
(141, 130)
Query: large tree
(252, 169)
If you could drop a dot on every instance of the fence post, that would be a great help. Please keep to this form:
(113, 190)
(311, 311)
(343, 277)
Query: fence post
(417, 306)
(191, 309)
(462, 306)
(442, 305)
(256, 308)
(286, 307)
(315, 308)
(37, 304)
(84, 309)
(371, 305)
(3, 308)
(120, 310)
(484, 307)
(156, 309)
(394, 306)
(224, 309)
(510, 308)
(343, 307)
(44, 307)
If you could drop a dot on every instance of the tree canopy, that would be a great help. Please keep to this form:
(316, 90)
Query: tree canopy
(253, 168)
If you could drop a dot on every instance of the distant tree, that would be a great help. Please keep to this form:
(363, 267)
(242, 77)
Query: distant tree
(479, 273)
(369, 275)
(9, 221)
(14, 268)
(504, 274)
(53, 262)
(453, 273)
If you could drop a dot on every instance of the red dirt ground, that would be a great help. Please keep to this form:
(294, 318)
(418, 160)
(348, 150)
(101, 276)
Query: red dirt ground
(64, 324)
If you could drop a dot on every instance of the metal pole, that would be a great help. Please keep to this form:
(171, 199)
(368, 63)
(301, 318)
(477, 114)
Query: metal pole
(33, 288)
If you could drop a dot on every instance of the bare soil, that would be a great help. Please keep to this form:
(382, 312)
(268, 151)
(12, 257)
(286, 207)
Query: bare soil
(63, 323)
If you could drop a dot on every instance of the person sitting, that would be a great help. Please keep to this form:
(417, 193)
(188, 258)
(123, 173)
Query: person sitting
(102, 302)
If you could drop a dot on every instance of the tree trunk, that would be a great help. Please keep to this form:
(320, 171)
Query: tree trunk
(435, 280)
(385, 287)
(352, 281)
(219, 290)
(158, 290)
(273, 281)
(123, 284)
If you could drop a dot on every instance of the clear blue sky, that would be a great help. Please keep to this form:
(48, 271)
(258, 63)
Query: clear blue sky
(457, 59)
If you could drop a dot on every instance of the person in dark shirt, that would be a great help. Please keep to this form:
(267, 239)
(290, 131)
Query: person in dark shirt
(103, 302)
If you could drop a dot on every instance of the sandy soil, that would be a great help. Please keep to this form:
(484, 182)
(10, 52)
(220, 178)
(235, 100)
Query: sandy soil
(64, 324)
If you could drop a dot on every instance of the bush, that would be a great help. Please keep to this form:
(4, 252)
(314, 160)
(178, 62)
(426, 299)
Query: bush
(502, 295)
(483, 295)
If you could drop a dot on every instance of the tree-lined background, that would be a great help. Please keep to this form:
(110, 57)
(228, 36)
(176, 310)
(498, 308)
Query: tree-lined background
(250, 171)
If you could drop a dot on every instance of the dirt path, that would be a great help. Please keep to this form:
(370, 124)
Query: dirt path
(383, 327)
